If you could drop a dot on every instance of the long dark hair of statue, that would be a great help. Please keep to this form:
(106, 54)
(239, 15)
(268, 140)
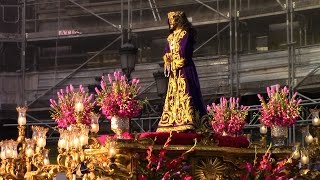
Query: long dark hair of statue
(183, 22)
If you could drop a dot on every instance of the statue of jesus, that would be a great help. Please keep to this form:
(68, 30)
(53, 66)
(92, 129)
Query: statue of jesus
(183, 97)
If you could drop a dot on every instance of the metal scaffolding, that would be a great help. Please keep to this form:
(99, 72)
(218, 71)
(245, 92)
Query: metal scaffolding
(127, 29)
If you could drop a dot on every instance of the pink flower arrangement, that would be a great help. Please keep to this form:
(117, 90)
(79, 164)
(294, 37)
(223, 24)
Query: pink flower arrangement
(64, 111)
(118, 97)
(280, 110)
(228, 116)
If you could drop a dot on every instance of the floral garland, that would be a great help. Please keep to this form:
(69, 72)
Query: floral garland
(64, 111)
(228, 116)
(279, 110)
(118, 97)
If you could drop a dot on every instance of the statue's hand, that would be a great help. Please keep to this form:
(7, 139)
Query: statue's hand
(166, 70)
(167, 58)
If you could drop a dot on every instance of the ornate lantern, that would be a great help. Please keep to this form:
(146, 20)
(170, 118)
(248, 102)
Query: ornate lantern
(161, 81)
(128, 58)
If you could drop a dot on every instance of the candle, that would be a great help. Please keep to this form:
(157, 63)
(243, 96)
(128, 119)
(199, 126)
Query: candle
(75, 143)
(38, 149)
(62, 143)
(9, 153)
(94, 128)
(83, 140)
(304, 159)
(79, 107)
(3, 155)
(22, 120)
(29, 152)
(46, 161)
(316, 121)
(263, 130)
(112, 152)
(41, 142)
(308, 139)
(21, 115)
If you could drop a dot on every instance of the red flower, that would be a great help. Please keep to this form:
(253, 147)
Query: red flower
(187, 177)
(249, 167)
(164, 167)
(281, 176)
(243, 177)
(266, 168)
(162, 153)
(280, 165)
(166, 176)
(151, 157)
(265, 165)
(142, 177)
(174, 162)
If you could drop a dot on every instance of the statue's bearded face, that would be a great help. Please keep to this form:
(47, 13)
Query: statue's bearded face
(173, 23)
(174, 19)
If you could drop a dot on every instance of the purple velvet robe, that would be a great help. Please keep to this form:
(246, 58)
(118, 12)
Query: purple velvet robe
(184, 96)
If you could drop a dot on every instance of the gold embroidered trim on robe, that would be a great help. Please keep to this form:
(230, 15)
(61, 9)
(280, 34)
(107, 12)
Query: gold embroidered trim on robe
(174, 43)
(177, 112)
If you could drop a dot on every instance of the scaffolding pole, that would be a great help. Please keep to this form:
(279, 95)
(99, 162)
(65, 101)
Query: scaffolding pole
(75, 70)
(96, 15)
(212, 37)
(122, 22)
(230, 49)
(293, 51)
(312, 72)
(231, 58)
(290, 44)
(128, 21)
(153, 11)
(282, 6)
(57, 42)
(236, 58)
(23, 53)
(212, 9)
(218, 27)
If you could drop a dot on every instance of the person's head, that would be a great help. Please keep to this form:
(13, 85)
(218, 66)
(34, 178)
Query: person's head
(178, 19)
